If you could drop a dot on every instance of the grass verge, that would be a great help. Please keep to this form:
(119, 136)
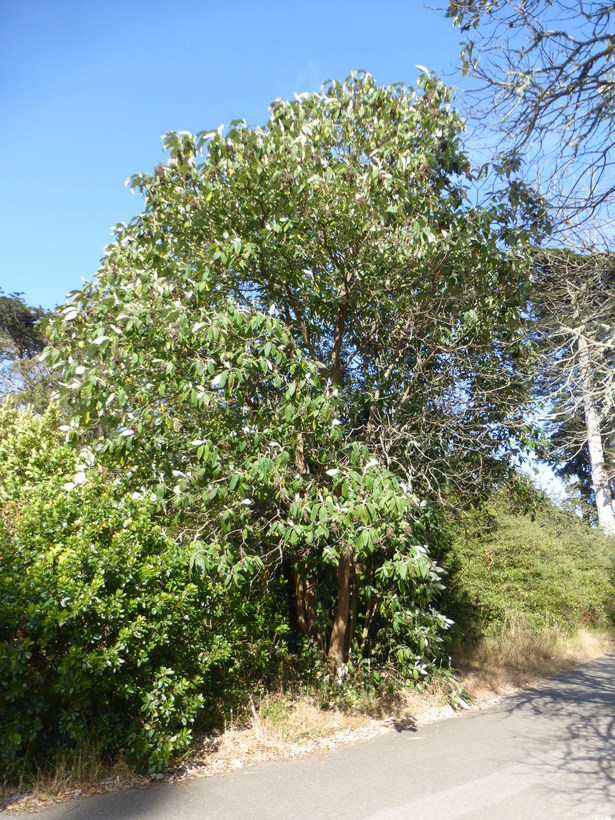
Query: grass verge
(518, 656)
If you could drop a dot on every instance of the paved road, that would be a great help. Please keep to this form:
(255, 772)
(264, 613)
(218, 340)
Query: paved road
(546, 753)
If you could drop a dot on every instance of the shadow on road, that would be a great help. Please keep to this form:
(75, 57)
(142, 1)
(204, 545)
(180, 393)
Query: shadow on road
(405, 725)
(579, 706)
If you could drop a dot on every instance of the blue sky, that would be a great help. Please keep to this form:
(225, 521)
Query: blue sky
(89, 87)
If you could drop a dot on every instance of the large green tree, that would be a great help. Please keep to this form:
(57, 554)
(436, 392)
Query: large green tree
(350, 214)
(302, 332)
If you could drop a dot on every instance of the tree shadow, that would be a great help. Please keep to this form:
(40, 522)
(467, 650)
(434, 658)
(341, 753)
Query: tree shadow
(577, 710)
(407, 724)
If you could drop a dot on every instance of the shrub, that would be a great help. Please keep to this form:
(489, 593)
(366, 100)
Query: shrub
(544, 568)
(104, 638)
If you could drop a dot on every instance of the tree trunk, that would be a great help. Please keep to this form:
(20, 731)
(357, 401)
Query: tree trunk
(602, 489)
(353, 607)
(337, 642)
(306, 596)
(338, 340)
(371, 420)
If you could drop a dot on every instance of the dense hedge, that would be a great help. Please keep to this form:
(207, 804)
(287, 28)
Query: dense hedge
(104, 638)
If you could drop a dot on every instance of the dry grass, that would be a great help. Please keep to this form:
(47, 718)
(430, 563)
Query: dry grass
(84, 772)
(519, 656)
(281, 728)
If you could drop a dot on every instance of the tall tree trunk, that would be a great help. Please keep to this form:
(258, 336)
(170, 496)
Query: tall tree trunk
(338, 340)
(353, 607)
(371, 420)
(337, 642)
(300, 459)
(602, 489)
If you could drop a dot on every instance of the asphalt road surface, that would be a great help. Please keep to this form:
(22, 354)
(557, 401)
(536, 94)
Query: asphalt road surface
(545, 753)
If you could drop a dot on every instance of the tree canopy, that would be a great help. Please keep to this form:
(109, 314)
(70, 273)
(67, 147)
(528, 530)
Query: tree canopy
(22, 339)
(300, 335)
(349, 215)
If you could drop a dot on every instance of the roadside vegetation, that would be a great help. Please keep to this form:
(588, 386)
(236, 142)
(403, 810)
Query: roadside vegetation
(100, 617)
(537, 570)
(267, 492)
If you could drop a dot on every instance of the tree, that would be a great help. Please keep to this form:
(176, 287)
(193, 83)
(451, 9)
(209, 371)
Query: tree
(299, 335)
(575, 312)
(350, 215)
(22, 340)
(545, 80)
(569, 455)
(544, 72)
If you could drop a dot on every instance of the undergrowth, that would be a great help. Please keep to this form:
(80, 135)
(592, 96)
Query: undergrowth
(531, 594)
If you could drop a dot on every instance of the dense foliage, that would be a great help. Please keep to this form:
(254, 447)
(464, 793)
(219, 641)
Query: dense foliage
(302, 333)
(235, 432)
(104, 640)
(306, 344)
(522, 560)
(348, 215)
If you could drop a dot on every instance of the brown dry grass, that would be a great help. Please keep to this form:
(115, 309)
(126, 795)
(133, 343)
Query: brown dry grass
(283, 728)
(83, 773)
(519, 656)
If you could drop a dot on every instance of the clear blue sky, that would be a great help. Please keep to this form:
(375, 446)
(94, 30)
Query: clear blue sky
(89, 86)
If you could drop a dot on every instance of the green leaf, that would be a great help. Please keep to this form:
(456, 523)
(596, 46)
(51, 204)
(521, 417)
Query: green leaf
(220, 379)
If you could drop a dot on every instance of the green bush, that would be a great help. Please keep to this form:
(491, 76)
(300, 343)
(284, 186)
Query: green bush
(104, 638)
(543, 566)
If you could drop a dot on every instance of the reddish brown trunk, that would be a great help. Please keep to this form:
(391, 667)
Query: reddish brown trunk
(300, 459)
(336, 352)
(354, 606)
(306, 597)
(337, 642)
(369, 613)
(371, 420)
